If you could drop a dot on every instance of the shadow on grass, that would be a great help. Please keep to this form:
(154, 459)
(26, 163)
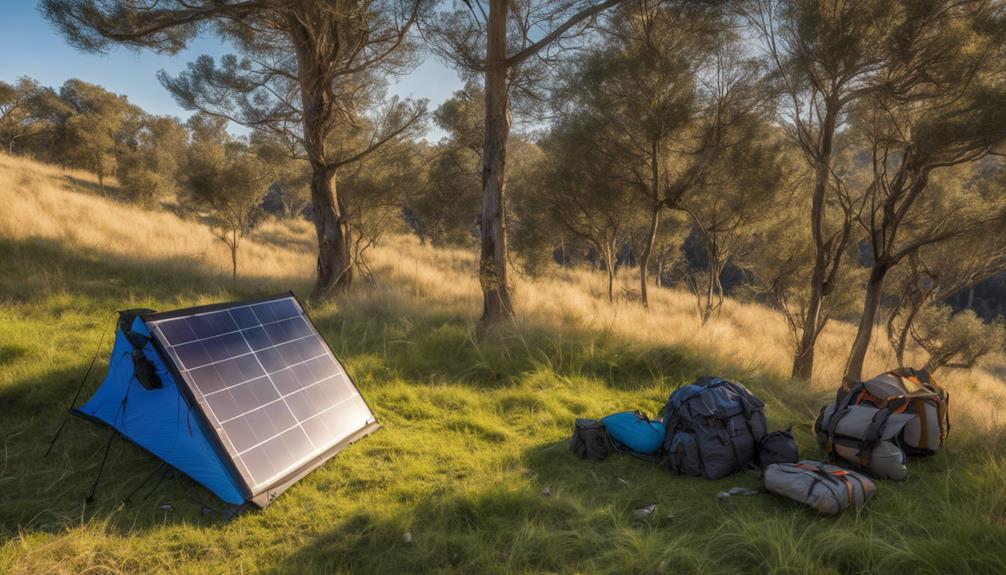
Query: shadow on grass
(584, 522)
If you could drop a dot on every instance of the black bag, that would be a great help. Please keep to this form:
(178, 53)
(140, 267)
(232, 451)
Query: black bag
(778, 447)
(590, 440)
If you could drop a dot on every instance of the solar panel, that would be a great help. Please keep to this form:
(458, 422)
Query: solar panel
(267, 383)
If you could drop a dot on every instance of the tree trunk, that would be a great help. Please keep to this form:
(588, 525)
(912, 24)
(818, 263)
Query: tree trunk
(644, 258)
(234, 258)
(906, 330)
(335, 272)
(803, 359)
(874, 293)
(496, 304)
(609, 266)
(707, 311)
(314, 74)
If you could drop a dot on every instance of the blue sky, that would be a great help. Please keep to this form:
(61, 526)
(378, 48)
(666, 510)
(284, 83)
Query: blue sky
(31, 47)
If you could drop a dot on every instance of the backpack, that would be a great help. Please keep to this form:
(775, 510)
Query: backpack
(826, 488)
(634, 432)
(906, 390)
(712, 428)
(590, 440)
(778, 447)
(877, 423)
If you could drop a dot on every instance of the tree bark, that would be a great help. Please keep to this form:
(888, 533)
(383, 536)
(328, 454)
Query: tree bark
(825, 256)
(803, 359)
(335, 272)
(609, 266)
(234, 258)
(871, 303)
(644, 257)
(314, 71)
(496, 304)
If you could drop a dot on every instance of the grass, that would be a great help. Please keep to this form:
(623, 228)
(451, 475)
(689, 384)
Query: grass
(474, 429)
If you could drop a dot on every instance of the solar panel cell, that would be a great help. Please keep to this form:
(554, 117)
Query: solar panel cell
(269, 312)
(211, 324)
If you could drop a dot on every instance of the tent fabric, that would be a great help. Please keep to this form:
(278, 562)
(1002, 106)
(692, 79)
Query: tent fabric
(159, 420)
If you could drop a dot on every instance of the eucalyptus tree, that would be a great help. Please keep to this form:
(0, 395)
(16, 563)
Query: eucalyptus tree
(447, 209)
(305, 70)
(825, 55)
(26, 110)
(580, 193)
(149, 161)
(640, 84)
(506, 42)
(737, 199)
(93, 129)
(225, 181)
(953, 115)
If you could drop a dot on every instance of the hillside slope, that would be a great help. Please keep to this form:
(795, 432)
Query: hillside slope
(474, 428)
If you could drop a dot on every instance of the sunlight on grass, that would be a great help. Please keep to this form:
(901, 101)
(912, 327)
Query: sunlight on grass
(474, 427)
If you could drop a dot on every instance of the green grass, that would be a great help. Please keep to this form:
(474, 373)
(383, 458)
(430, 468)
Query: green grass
(473, 431)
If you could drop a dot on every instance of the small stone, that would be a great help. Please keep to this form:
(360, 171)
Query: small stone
(166, 507)
(407, 538)
(645, 511)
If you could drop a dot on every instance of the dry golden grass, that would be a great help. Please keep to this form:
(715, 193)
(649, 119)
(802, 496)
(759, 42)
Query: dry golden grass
(52, 203)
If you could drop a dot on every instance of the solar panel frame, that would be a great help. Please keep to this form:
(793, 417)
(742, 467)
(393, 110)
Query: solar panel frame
(265, 493)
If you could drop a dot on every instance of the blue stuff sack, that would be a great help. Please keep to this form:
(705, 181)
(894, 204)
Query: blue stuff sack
(634, 431)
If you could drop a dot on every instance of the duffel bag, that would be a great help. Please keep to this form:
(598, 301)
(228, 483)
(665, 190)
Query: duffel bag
(864, 436)
(632, 431)
(828, 489)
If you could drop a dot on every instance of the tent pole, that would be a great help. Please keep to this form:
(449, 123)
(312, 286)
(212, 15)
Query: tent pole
(129, 498)
(104, 458)
(76, 396)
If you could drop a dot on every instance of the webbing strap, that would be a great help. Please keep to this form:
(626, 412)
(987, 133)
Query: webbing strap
(923, 415)
(943, 409)
(848, 486)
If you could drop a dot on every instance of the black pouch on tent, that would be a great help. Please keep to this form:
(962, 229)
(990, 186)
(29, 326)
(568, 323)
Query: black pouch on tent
(778, 447)
(590, 440)
(143, 368)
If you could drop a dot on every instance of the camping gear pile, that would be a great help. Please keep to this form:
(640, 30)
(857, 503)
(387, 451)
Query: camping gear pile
(715, 427)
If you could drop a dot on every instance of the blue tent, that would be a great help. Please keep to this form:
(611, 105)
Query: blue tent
(244, 397)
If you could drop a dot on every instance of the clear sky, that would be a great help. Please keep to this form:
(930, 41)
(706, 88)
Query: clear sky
(29, 46)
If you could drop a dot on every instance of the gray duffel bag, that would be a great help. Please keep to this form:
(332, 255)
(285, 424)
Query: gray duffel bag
(826, 488)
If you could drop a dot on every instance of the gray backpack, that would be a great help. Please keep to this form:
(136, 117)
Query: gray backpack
(877, 423)
(826, 488)
(712, 428)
